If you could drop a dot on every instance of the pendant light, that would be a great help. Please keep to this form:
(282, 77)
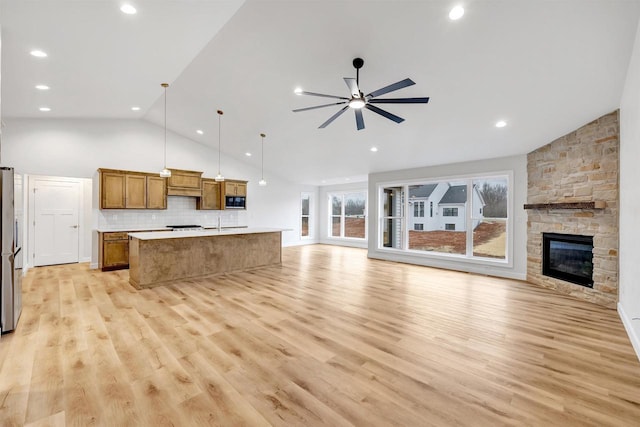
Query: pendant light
(262, 182)
(165, 173)
(219, 177)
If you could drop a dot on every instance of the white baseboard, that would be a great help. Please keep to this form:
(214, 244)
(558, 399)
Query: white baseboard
(300, 243)
(93, 265)
(345, 242)
(628, 325)
(85, 259)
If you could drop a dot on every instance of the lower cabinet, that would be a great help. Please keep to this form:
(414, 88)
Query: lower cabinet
(114, 251)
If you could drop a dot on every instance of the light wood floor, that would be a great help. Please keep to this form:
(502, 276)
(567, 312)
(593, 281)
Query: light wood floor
(330, 338)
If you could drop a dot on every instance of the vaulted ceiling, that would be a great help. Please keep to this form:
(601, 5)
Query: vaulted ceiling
(546, 68)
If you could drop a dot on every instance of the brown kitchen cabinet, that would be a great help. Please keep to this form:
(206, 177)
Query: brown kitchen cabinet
(156, 192)
(135, 191)
(114, 250)
(112, 189)
(235, 188)
(211, 195)
(184, 183)
(132, 190)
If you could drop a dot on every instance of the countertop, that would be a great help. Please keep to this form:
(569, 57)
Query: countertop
(142, 229)
(203, 233)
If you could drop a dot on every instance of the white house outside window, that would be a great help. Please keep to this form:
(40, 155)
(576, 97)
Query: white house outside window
(468, 217)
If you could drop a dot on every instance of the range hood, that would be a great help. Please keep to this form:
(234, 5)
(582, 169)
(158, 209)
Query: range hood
(184, 183)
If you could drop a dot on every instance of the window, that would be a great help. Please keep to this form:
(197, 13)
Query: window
(348, 215)
(418, 209)
(336, 216)
(468, 217)
(490, 197)
(305, 216)
(392, 216)
(449, 211)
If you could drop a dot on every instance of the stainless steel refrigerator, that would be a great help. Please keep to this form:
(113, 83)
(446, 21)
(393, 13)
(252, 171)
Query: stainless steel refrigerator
(11, 214)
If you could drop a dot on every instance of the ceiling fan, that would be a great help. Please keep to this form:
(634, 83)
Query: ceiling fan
(358, 100)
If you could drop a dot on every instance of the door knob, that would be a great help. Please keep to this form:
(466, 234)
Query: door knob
(73, 226)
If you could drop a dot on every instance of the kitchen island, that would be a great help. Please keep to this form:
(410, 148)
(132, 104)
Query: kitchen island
(157, 259)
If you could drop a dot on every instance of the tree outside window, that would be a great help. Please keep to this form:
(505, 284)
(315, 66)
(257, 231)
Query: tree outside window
(348, 215)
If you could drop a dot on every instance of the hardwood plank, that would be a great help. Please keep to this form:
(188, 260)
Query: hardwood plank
(328, 338)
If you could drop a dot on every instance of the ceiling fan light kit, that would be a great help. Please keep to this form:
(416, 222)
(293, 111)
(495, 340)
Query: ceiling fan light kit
(357, 101)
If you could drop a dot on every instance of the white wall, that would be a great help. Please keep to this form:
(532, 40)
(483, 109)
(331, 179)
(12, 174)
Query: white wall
(323, 214)
(629, 296)
(77, 147)
(518, 245)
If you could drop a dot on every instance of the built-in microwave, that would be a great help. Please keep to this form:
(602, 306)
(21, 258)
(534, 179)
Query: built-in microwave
(235, 202)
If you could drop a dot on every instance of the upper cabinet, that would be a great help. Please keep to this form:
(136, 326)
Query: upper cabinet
(131, 190)
(235, 188)
(211, 195)
(135, 190)
(140, 190)
(112, 189)
(156, 192)
(184, 183)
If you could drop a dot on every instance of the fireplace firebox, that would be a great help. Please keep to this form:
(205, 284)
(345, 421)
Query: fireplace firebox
(568, 257)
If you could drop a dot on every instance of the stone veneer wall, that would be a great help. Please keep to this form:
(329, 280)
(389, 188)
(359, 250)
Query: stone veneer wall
(578, 167)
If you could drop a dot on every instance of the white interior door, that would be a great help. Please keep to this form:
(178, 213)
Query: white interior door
(56, 207)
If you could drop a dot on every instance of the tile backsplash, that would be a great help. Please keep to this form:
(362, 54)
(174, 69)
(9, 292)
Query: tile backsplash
(180, 211)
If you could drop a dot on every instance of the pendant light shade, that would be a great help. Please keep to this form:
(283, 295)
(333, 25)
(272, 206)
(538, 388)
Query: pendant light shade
(219, 177)
(262, 181)
(165, 173)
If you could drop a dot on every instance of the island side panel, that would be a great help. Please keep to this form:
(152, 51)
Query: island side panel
(164, 261)
(134, 262)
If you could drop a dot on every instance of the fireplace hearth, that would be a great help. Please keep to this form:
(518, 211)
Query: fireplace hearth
(568, 257)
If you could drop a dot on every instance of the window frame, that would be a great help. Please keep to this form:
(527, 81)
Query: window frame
(342, 194)
(507, 262)
(310, 228)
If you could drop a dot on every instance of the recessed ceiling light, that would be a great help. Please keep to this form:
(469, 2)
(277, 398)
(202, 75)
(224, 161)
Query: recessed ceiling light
(248, 154)
(200, 132)
(374, 149)
(501, 124)
(38, 53)
(347, 179)
(42, 87)
(135, 108)
(128, 9)
(324, 180)
(456, 13)
(45, 109)
(298, 91)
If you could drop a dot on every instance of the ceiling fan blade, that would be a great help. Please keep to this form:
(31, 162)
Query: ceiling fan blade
(383, 113)
(400, 101)
(359, 119)
(352, 84)
(391, 88)
(304, 92)
(332, 118)
(318, 106)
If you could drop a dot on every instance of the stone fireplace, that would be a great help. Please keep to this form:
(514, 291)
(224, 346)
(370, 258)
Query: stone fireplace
(573, 190)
